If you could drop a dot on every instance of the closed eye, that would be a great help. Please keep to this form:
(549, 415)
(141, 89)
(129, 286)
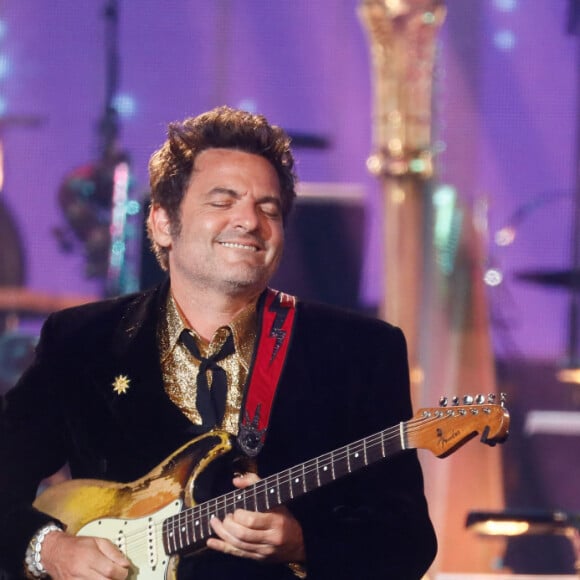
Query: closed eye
(221, 197)
(271, 209)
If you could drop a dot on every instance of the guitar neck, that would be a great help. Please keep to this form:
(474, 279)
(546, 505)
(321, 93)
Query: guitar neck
(190, 528)
(442, 431)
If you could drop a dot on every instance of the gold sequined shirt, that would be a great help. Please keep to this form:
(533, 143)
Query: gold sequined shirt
(180, 367)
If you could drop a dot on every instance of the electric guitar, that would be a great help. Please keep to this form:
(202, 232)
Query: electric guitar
(158, 517)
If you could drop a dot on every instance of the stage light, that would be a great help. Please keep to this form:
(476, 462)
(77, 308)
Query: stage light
(493, 277)
(569, 374)
(519, 523)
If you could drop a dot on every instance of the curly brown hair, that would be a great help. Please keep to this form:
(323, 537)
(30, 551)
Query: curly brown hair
(171, 166)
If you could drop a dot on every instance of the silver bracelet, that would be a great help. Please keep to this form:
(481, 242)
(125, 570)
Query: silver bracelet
(33, 557)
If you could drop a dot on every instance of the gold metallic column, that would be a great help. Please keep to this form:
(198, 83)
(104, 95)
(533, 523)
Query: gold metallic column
(433, 257)
(402, 35)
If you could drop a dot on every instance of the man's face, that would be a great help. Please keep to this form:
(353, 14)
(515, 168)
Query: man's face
(232, 234)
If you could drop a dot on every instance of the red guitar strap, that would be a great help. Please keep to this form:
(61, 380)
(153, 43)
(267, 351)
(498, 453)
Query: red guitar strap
(276, 311)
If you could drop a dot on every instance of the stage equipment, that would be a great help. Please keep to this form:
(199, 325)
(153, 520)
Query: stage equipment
(402, 39)
(433, 250)
(96, 198)
(556, 278)
(517, 523)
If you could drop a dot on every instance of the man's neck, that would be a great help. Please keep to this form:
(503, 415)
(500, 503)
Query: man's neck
(205, 311)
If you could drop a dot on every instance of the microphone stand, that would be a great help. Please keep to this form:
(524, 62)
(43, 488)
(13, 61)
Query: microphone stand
(121, 276)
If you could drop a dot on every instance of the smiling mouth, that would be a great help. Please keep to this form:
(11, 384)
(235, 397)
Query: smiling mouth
(239, 246)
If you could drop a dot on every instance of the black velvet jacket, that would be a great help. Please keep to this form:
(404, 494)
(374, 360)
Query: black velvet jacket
(345, 377)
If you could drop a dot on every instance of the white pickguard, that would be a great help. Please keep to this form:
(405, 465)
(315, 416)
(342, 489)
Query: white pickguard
(139, 539)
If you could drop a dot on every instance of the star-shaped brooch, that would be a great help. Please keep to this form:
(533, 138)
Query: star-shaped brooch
(121, 384)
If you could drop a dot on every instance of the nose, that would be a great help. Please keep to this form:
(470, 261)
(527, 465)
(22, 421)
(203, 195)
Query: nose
(247, 216)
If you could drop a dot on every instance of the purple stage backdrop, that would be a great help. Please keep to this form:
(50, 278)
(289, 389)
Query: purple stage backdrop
(506, 102)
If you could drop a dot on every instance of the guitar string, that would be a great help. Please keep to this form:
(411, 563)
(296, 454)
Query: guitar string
(388, 436)
(304, 470)
(199, 514)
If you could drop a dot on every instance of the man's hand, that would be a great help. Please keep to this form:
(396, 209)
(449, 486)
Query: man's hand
(274, 536)
(65, 556)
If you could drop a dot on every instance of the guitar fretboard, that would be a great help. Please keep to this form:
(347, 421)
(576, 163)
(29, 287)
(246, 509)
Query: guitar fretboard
(188, 529)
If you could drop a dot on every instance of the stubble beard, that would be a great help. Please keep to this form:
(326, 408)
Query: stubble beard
(239, 280)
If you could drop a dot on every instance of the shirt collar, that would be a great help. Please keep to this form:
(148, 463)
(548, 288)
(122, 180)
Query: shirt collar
(243, 328)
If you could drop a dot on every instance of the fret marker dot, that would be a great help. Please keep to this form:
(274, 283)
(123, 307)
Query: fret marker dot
(356, 454)
(197, 522)
(325, 468)
(271, 491)
(297, 480)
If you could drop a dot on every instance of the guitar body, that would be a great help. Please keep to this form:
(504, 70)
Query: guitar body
(131, 515)
(168, 512)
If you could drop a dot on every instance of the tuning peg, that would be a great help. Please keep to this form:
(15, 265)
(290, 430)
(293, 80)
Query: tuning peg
(491, 398)
(467, 400)
(502, 399)
(443, 401)
(480, 399)
(455, 400)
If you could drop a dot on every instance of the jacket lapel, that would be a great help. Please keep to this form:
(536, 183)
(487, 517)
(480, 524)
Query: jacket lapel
(133, 383)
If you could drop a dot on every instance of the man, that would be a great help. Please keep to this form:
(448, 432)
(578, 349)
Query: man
(118, 386)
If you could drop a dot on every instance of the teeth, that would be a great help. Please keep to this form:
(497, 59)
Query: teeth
(241, 246)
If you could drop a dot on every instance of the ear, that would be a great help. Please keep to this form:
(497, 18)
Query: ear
(159, 226)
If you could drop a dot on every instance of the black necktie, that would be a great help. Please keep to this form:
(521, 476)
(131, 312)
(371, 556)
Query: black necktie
(211, 404)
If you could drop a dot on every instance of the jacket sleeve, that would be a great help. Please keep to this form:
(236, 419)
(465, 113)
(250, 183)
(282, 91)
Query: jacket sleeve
(373, 523)
(31, 448)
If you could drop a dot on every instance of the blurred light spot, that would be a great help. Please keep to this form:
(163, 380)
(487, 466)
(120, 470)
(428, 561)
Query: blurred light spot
(493, 277)
(374, 164)
(4, 66)
(569, 375)
(417, 375)
(397, 195)
(395, 146)
(124, 105)
(505, 236)
(118, 247)
(248, 105)
(428, 18)
(3, 28)
(504, 40)
(447, 225)
(505, 5)
(417, 165)
(133, 207)
(3, 105)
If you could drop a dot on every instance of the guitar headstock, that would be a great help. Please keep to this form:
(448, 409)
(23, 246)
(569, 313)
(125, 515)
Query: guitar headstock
(444, 429)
